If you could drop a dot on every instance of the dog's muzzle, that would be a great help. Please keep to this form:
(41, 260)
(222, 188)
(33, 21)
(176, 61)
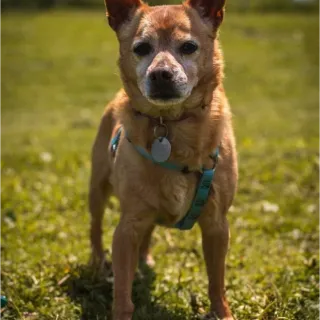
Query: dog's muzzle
(162, 85)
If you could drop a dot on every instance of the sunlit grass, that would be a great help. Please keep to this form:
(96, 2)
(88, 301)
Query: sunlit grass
(58, 72)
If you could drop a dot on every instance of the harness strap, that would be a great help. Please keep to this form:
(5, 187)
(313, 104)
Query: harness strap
(199, 201)
(203, 188)
(115, 141)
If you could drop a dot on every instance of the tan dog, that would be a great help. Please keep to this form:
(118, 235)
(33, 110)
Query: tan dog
(172, 70)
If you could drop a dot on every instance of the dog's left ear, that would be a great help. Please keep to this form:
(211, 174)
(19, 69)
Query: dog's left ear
(118, 11)
(210, 9)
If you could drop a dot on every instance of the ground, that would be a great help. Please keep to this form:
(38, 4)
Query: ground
(58, 72)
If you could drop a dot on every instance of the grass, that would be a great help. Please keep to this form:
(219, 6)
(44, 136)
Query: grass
(58, 72)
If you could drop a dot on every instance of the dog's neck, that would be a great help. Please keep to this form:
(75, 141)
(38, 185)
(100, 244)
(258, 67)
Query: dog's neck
(193, 135)
(157, 119)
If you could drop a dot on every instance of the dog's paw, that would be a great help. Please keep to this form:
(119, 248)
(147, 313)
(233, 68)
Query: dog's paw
(99, 264)
(148, 260)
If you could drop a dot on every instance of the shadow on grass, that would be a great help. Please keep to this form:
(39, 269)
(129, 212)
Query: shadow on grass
(95, 295)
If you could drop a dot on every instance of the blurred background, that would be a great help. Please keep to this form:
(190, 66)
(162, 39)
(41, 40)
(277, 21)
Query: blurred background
(239, 5)
(59, 70)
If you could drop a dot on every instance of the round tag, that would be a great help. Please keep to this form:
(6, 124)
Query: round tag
(161, 149)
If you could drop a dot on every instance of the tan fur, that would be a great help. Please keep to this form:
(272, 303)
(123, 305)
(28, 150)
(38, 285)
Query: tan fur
(148, 192)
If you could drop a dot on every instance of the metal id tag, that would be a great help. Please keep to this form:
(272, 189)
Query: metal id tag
(161, 149)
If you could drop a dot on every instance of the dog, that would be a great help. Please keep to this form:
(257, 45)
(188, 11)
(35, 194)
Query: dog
(165, 130)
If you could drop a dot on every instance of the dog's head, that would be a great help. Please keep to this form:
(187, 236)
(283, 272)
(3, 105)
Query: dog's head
(166, 52)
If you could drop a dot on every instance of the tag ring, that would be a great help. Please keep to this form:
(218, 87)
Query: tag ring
(156, 129)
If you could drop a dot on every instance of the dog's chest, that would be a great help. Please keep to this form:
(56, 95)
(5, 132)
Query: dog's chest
(166, 192)
(175, 195)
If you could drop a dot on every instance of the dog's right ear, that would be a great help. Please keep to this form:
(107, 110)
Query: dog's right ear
(118, 11)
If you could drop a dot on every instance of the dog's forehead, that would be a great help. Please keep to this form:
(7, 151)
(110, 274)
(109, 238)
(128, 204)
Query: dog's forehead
(165, 21)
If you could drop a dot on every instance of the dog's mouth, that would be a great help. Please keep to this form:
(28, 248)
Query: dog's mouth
(164, 96)
(165, 99)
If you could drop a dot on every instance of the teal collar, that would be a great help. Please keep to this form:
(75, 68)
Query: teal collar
(204, 185)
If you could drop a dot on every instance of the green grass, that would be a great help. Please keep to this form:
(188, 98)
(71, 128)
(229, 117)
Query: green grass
(58, 72)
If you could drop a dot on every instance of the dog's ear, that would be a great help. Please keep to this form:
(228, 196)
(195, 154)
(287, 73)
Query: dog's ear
(118, 11)
(210, 9)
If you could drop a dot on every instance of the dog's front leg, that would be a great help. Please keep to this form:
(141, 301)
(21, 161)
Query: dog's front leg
(125, 254)
(215, 240)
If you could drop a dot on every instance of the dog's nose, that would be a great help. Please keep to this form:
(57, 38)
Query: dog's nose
(161, 75)
(162, 84)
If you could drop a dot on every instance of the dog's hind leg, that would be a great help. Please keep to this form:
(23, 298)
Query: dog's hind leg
(97, 199)
(100, 189)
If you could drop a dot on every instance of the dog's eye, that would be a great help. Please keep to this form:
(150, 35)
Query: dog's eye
(189, 47)
(142, 49)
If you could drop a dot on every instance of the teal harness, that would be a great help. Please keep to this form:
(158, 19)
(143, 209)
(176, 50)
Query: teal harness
(203, 189)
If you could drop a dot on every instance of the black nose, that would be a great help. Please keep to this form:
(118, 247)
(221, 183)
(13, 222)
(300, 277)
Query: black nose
(161, 76)
(162, 84)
